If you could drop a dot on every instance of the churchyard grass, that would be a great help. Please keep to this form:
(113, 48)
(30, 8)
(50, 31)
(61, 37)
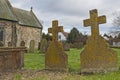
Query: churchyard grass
(36, 62)
(118, 54)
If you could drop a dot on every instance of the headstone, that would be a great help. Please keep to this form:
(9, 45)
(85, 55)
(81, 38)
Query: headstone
(1, 44)
(48, 44)
(55, 57)
(77, 45)
(32, 46)
(9, 44)
(39, 45)
(11, 58)
(22, 44)
(80, 45)
(66, 46)
(97, 57)
(43, 46)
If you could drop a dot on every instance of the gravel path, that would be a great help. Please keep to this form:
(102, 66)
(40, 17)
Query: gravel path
(34, 75)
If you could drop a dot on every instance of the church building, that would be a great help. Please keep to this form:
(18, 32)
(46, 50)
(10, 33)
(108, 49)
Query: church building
(18, 25)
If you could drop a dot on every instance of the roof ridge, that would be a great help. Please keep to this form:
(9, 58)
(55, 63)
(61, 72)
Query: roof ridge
(27, 18)
(23, 17)
(21, 9)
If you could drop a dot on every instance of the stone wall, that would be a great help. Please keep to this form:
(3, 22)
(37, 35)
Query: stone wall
(24, 33)
(27, 34)
(8, 31)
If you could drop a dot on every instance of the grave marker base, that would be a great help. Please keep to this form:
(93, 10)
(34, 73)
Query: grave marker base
(55, 57)
(97, 57)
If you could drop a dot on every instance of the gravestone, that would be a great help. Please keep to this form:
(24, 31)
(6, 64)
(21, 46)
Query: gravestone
(1, 44)
(39, 45)
(66, 46)
(11, 58)
(48, 44)
(55, 57)
(97, 57)
(22, 44)
(32, 46)
(9, 44)
(77, 45)
(80, 45)
(43, 46)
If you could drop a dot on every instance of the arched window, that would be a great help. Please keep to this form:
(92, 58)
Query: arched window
(2, 33)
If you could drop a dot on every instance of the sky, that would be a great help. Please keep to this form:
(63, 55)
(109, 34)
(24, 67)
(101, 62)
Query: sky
(70, 13)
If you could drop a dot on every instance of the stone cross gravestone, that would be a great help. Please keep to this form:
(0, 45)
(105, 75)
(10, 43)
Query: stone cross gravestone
(97, 56)
(32, 46)
(55, 57)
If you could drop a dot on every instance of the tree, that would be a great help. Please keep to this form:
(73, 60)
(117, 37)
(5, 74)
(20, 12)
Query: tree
(81, 38)
(116, 23)
(47, 37)
(43, 36)
(116, 20)
(72, 35)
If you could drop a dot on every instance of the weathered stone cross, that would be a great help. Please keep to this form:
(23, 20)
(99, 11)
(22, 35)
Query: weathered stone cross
(94, 22)
(55, 29)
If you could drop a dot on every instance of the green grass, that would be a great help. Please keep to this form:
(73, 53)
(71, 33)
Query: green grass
(118, 54)
(74, 60)
(36, 61)
(17, 77)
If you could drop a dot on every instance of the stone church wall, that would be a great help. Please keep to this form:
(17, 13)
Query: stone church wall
(27, 34)
(8, 31)
(24, 33)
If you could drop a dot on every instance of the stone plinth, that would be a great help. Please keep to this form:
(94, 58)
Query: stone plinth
(56, 58)
(11, 58)
(97, 57)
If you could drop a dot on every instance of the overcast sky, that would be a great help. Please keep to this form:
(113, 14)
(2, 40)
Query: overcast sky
(70, 13)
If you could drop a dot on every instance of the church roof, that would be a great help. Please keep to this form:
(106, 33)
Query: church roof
(27, 18)
(23, 17)
(6, 12)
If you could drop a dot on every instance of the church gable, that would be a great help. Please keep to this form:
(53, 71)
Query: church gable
(17, 25)
(23, 17)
